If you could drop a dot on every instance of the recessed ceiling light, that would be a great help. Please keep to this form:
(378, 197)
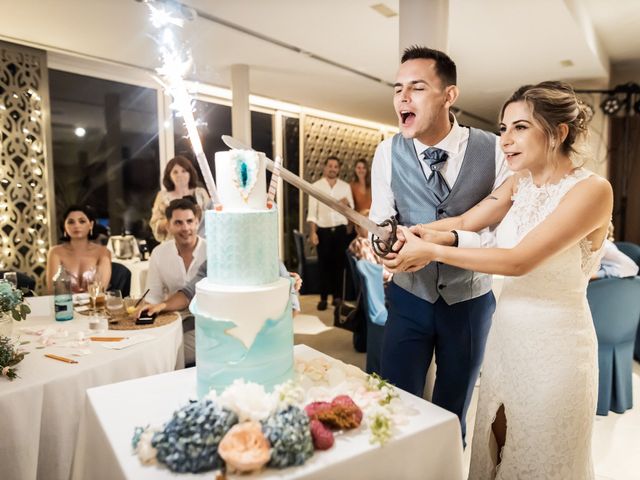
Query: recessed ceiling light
(566, 63)
(384, 10)
(80, 132)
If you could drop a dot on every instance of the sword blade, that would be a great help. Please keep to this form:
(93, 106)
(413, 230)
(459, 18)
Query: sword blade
(309, 189)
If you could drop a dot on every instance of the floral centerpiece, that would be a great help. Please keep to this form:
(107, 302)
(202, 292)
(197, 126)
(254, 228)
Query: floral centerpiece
(12, 306)
(12, 302)
(10, 356)
(246, 428)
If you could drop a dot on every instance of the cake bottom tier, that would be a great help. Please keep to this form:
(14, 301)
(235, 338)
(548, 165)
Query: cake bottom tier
(223, 356)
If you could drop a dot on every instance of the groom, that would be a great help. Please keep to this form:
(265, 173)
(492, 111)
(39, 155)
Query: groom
(435, 169)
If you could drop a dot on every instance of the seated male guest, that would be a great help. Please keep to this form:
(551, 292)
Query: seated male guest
(614, 263)
(175, 262)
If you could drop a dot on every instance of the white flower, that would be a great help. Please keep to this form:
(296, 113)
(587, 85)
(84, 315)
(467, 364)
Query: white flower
(288, 393)
(248, 400)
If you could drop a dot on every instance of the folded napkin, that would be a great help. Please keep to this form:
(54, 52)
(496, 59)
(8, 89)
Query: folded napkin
(133, 340)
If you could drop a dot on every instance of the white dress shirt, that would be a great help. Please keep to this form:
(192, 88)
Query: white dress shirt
(614, 263)
(455, 144)
(167, 273)
(319, 213)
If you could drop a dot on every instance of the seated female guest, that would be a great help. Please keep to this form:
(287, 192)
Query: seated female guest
(85, 261)
(179, 180)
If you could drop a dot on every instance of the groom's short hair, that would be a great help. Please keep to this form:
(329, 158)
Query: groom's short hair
(445, 67)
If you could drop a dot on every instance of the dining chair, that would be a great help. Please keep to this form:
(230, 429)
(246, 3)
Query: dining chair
(615, 307)
(307, 266)
(632, 250)
(120, 279)
(375, 311)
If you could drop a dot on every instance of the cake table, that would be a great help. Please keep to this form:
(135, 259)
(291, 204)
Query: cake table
(429, 446)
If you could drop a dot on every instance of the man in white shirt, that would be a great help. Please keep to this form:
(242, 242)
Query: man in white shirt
(175, 262)
(435, 169)
(328, 231)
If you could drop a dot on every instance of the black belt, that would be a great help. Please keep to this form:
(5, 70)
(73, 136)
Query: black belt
(332, 229)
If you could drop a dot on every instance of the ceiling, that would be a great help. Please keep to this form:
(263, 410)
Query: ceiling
(498, 45)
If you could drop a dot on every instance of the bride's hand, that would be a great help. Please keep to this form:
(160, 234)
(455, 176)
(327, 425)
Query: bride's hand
(413, 256)
(434, 236)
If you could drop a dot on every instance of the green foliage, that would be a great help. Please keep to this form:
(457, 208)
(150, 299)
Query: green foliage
(11, 301)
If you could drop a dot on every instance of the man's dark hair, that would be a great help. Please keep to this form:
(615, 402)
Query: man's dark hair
(445, 67)
(182, 204)
(333, 157)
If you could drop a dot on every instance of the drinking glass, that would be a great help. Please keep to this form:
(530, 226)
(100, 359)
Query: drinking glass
(115, 304)
(96, 294)
(11, 277)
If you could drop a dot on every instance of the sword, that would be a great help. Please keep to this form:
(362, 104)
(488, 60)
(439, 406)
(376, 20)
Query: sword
(383, 239)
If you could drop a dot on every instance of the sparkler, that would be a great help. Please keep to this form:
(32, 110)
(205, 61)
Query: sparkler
(175, 64)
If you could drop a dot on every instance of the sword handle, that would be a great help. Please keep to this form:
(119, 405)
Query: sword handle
(384, 248)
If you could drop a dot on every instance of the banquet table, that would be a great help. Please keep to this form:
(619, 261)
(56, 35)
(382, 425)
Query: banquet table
(428, 446)
(139, 269)
(40, 411)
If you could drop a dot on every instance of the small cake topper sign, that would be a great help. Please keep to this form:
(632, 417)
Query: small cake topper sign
(245, 173)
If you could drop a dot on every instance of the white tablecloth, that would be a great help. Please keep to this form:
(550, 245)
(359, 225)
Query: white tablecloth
(40, 411)
(428, 447)
(139, 269)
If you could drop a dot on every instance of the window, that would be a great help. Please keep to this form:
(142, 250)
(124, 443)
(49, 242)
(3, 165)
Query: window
(105, 149)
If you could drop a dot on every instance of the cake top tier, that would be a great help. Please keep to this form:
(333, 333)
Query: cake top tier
(241, 180)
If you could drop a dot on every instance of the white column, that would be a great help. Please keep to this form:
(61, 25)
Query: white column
(240, 114)
(424, 23)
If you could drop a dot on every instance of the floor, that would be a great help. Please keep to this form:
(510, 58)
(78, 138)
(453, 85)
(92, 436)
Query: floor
(616, 438)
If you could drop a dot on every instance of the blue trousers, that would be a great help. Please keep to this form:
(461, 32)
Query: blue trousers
(457, 333)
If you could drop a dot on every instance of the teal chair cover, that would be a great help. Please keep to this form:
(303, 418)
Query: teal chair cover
(632, 251)
(372, 287)
(615, 306)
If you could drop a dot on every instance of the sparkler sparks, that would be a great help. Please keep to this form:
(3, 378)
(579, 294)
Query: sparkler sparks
(175, 65)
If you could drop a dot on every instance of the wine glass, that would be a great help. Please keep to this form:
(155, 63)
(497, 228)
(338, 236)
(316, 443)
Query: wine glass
(96, 294)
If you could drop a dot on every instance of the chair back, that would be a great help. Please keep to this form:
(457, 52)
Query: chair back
(615, 307)
(630, 249)
(372, 296)
(298, 240)
(373, 291)
(120, 279)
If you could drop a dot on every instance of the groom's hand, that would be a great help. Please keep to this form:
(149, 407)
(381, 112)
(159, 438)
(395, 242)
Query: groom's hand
(413, 256)
(434, 236)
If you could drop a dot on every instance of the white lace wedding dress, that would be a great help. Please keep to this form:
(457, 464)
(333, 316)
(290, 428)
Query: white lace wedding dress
(541, 356)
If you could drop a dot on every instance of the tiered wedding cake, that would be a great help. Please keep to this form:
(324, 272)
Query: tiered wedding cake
(243, 314)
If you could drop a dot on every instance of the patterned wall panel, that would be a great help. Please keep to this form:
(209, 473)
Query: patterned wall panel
(323, 138)
(24, 220)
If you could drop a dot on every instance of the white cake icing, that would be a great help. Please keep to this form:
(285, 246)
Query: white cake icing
(249, 309)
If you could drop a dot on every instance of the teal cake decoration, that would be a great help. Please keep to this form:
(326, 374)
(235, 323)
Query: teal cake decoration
(245, 174)
(221, 358)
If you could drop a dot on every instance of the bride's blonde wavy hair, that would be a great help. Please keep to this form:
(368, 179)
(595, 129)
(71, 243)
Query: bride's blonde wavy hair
(553, 103)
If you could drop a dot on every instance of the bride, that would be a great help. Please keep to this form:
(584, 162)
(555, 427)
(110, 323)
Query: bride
(538, 391)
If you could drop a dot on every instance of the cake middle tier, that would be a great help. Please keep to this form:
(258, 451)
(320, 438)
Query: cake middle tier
(242, 247)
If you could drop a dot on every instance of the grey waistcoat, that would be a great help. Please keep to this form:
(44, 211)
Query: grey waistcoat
(416, 203)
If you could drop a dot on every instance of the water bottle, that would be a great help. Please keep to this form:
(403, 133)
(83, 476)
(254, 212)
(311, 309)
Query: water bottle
(62, 300)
